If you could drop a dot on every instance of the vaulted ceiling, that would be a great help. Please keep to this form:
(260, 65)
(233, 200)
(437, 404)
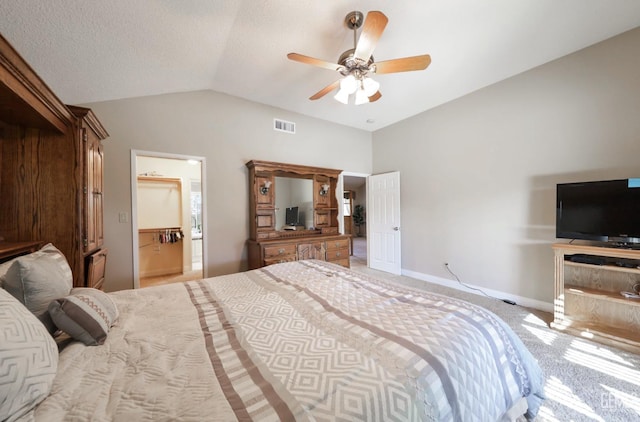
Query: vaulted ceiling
(89, 50)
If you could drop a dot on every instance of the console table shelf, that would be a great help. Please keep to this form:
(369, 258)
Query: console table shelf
(600, 294)
(607, 267)
(587, 300)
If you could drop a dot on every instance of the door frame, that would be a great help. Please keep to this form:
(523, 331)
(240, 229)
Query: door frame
(134, 205)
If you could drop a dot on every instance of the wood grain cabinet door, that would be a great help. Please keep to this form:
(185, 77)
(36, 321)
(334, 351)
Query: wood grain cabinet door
(90, 135)
(98, 198)
(92, 191)
(311, 250)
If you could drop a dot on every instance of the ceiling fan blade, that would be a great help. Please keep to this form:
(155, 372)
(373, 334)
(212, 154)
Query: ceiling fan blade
(403, 65)
(371, 31)
(324, 91)
(375, 97)
(314, 62)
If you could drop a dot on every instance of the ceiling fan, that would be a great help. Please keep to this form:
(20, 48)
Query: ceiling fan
(357, 64)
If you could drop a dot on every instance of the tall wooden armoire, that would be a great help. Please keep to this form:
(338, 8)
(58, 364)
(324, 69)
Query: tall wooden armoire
(51, 170)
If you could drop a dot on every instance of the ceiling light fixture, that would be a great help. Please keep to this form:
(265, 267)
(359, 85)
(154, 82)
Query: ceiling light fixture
(356, 83)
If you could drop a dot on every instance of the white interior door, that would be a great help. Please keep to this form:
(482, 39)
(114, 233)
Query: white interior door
(383, 222)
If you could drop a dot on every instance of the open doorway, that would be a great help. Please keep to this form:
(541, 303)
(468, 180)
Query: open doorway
(354, 214)
(168, 218)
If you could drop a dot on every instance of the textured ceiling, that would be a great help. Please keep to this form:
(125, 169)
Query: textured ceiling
(91, 50)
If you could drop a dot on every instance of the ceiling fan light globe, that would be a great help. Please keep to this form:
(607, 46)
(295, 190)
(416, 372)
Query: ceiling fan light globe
(349, 84)
(370, 86)
(342, 96)
(361, 97)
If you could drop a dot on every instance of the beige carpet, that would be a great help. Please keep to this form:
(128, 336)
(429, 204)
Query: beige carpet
(359, 255)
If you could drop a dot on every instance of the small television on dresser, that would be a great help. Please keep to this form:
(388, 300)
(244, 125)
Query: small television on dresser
(291, 216)
(602, 211)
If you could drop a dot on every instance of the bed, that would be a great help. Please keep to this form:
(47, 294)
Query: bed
(304, 340)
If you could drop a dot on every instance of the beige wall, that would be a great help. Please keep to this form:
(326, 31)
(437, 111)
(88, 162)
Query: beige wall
(228, 132)
(478, 174)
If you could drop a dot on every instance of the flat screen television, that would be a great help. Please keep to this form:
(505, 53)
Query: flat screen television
(291, 216)
(603, 211)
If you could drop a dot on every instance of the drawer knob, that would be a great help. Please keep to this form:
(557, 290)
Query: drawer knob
(337, 253)
(281, 251)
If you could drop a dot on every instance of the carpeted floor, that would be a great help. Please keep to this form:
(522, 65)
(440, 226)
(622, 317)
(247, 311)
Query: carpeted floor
(359, 255)
(585, 381)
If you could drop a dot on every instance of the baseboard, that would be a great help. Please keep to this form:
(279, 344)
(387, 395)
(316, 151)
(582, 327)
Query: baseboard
(520, 300)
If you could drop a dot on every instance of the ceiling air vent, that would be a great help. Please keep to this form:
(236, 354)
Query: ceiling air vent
(284, 126)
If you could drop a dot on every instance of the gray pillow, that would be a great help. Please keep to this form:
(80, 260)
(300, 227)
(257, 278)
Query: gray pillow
(4, 267)
(37, 279)
(28, 359)
(57, 256)
(86, 315)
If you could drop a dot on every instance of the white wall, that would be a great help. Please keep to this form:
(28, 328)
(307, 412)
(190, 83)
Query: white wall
(478, 174)
(228, 132)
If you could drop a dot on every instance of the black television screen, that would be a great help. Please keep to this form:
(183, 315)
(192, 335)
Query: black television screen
(606, 211)
(291, 216)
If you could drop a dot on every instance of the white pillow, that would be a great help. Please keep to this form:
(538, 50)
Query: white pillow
(86, 315)
(37, 279)
(28, 359)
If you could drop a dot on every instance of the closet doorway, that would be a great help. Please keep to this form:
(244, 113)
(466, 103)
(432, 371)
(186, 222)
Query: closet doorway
(168, 218)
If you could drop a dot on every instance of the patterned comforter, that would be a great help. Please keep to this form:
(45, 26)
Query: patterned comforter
(304, 340)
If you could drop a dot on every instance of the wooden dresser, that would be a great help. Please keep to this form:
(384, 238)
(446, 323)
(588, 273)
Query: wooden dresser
(51, 167)
(331, 248)
(320, 239)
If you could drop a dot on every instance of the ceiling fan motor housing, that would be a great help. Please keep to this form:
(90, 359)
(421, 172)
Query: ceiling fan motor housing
(353, 65)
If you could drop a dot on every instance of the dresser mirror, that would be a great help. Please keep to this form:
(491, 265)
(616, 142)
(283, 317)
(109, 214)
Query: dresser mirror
(294, 199)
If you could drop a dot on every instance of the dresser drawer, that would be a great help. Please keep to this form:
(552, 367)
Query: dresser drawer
(96, 264)
(278, 260)
(275, 251)
(344, 262)
(335, 254)
(337, 244)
